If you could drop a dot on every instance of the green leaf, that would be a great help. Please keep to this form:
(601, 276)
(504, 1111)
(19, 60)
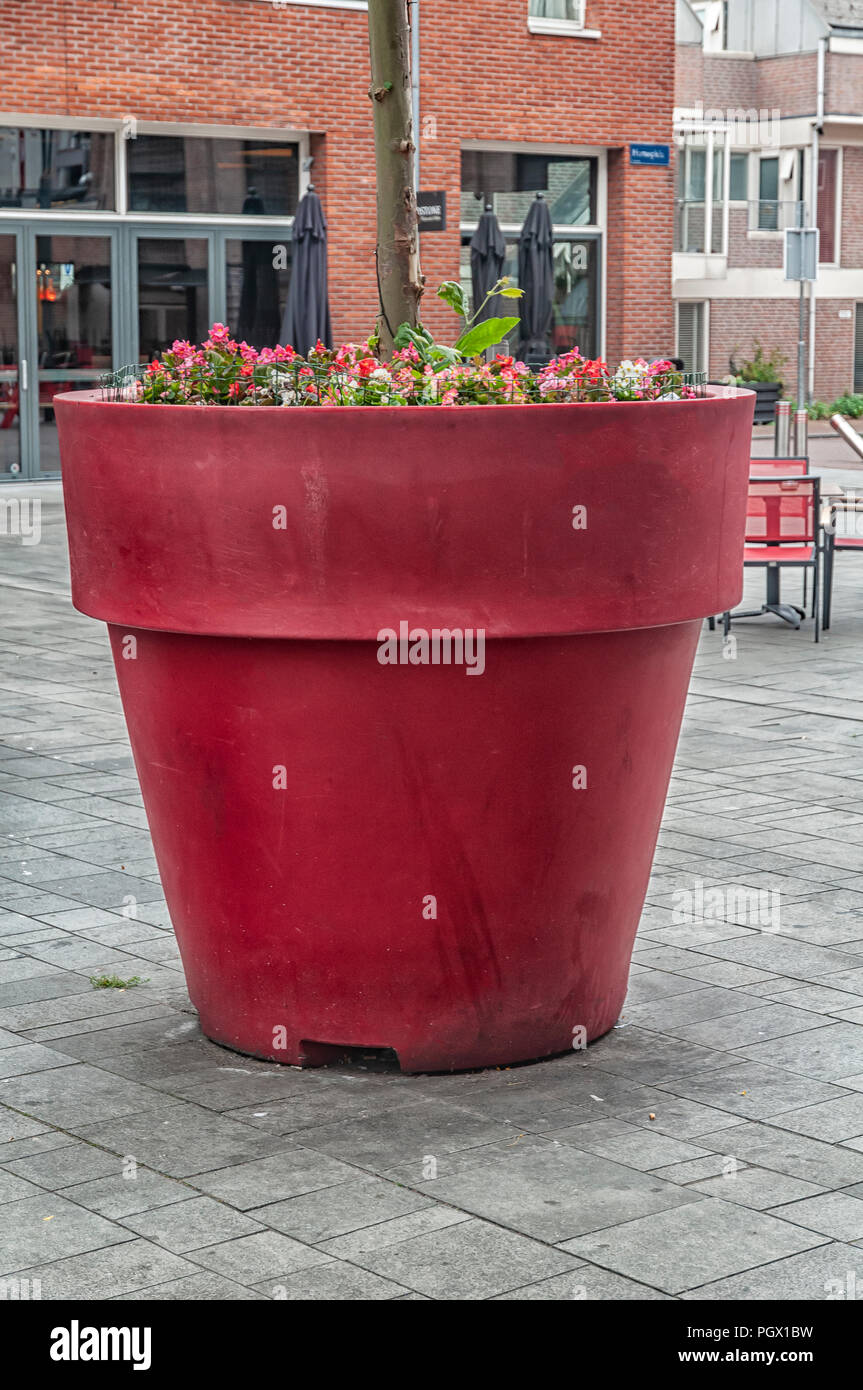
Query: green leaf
(512, 292)
(452, 294)
(485, 335)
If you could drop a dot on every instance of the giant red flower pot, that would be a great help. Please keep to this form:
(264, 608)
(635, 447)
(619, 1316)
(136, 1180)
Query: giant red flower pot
(361, 843)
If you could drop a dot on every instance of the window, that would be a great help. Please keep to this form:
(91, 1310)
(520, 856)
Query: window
(691, 335)
(827, 176)
(858, 348)
(739, 178)
(570, 10)
(768, 194)
(575, 308)
(714, 20)
(510, 182)
(65, 170)
(179, 173)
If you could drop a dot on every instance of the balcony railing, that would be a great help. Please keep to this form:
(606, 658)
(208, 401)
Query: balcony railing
(690, 225)
(764, 215)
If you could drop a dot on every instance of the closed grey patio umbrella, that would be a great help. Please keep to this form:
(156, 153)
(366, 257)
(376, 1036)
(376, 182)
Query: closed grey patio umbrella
(307, 312)
(536, 280)
(487, 255)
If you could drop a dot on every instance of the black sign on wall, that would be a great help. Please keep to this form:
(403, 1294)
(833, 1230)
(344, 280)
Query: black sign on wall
(431, 211)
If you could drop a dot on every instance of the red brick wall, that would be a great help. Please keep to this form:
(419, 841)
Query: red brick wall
(484, 77)
(736, 325)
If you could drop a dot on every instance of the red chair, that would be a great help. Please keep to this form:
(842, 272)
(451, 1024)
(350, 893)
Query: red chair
(778, 467)
(783, 531)
(834, 543)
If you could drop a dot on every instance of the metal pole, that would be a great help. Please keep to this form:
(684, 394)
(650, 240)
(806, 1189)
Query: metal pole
(415, 85)
(801, 349)
(783, 429)
(801, 433)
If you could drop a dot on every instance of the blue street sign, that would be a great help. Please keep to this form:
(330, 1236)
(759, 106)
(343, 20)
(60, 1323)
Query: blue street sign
(660, 155)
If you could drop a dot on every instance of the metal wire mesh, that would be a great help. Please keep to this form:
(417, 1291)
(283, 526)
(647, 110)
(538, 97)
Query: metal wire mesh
(301, 383)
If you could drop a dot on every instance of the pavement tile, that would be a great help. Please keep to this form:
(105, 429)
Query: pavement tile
(176, 1139)
(756, 1187)
(827, 1165)
(35, 1230)
(337, 1210)
(692, 1245)
(834, 1214)
(182, 1226)
(108, 1272)
(554, 1192)
(282, 1175)
(830, 1272)
(470, 1260)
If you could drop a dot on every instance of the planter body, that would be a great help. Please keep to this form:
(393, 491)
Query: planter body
(767, 393)
(400, 856)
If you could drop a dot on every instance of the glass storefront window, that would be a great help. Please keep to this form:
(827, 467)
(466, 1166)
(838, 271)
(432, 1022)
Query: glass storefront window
(575, 317)
(173, 293)
(511, 181)
(256, 291)
(65, 170)
(191, 173)
(73, 302)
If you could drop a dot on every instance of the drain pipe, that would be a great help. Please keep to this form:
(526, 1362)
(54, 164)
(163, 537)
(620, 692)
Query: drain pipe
(415, 84)
(817, 129)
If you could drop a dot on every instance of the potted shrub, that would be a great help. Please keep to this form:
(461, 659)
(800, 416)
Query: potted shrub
(763, 375)
(403, 638)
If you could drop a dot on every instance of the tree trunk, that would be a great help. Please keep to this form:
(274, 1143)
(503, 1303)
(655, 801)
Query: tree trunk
(400, 284)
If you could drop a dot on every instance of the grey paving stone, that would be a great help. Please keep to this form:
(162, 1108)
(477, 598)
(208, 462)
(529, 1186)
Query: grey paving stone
(126, 1192)
(833, 1214)
(282, 1175)
(586, 1283)
(183, 1226)
(30, 1057)
(692, 1245)
(682, 1119)
(175, 1139)
(649, 1057)
(554, 1192)
(264, 1255)
(13, 1188)
(758, 1024)
(109, 1272)
(395, 1232)
(47, 1227)
(381, 1141)
(780, 954)
(471, 1260)
(752, 1090)
(756, 1187)
(333, 1282)
(827, 1053)
(194, 1288)
(334, 1211)
(833, 1271)
(75, 1095)
(671, 1015)
(827, 1165)
(833, 1120)
(70, 1163)
(631, 1145)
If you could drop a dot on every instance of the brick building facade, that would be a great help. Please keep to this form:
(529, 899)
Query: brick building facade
(769, 124)
(514, 99)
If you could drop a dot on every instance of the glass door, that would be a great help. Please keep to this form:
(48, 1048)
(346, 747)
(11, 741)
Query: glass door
(11, 451)
(72, 328)
(173, 277)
